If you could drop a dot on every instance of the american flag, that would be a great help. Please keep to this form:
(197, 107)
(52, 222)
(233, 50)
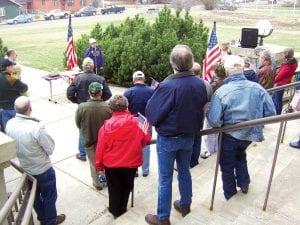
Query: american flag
(71, 52)
(144, 124)
(213, 54)
(154, 83)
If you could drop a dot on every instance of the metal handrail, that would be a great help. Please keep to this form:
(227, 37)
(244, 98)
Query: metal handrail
(278, 88)
(24, 217)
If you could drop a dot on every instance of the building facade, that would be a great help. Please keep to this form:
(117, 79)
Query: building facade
(9, 9)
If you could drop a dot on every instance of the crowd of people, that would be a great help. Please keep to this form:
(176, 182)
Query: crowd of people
(115, 136)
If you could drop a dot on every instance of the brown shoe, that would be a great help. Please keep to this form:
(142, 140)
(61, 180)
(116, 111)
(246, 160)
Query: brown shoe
(153, 220)
(183, 210)
(60, 218)
(82, 158)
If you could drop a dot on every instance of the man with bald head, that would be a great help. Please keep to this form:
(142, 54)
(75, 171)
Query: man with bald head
(34, 146)
(176, 111)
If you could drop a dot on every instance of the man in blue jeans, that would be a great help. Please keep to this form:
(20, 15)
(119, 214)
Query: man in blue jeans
(176, 111)
(138, 96)
(34, 146)
(238, 100)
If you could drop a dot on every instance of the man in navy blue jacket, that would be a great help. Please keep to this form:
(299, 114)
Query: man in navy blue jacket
(94, 52)
(138, 96)
(176, 111)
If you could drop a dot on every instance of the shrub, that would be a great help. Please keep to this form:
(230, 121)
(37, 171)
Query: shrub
(138, 45)
(3, 49)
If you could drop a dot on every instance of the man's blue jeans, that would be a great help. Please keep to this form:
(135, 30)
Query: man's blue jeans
(169, 149)
(277, 100)
(80, 145)
(7, 114)
(45, 198)
(196, 151)
(146, 159)
(233, 164)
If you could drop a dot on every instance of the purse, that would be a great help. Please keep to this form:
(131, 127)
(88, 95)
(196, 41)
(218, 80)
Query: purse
(295, 103)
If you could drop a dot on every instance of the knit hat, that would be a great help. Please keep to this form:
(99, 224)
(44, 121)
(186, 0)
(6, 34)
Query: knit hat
(95, 88)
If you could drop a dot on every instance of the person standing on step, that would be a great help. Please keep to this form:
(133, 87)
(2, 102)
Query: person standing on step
(238, 100)
(138, 96)
(119, 152)
(10, 89)
(94, 52)
(284, 76)
(34, 147)
(89, 117)
(78, 92)
(176, 111)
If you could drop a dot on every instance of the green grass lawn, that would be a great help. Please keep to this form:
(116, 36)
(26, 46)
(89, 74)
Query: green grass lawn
(42, 46)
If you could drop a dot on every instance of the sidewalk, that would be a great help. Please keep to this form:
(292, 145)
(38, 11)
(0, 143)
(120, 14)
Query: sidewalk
(84, 205)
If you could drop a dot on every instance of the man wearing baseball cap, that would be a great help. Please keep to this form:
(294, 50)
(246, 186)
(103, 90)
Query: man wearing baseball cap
(238, 100)
(89, 117)
(95, 53)
(138, 96)
(10, 89)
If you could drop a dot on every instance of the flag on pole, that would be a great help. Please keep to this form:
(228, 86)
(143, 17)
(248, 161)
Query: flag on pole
(71, 52)
(213, 54)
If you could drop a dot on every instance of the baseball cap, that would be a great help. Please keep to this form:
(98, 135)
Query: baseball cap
(138, 74)
(95, 88)
(6, 62)
(92, 40)
(233, 62)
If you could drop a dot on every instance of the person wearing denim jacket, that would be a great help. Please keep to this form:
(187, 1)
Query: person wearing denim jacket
(238, 100)
(176, 111)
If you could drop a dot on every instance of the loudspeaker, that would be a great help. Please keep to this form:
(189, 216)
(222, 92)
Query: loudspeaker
(249, 37)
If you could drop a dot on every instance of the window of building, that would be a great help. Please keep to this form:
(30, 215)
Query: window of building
(54, 2)
(70, 2)
(43, 2)
(83, 2)
(2, 12)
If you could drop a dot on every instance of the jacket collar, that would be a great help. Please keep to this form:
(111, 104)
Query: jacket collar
(234, 77)
(27, 117)
(179, 75)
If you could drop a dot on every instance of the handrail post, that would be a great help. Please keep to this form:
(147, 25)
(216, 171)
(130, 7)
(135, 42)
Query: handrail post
(216, 172)
(273, 165)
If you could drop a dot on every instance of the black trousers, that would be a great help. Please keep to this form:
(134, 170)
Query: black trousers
(120, 182)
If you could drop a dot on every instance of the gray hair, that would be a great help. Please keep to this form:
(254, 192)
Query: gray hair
(182, 58)
(88, 65)
(118, 103)
(288, 53)
(266, 56)
(22, 105)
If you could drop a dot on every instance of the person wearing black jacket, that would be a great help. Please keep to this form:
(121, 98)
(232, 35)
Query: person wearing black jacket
(77, 92)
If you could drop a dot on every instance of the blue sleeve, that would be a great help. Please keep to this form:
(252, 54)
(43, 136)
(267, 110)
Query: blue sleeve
(215, 112)
(88, 53)
(159, 105)
(101, 59)
(268, 107)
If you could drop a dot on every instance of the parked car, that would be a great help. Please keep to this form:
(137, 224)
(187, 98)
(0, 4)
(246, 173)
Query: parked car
(112, 9)
(152, 10)
(56, 14)
(226, 6)
(87, 11)
(24, 18)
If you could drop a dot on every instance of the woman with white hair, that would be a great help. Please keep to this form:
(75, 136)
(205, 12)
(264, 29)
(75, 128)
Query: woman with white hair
(119, 152)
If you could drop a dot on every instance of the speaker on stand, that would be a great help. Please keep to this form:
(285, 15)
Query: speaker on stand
(249, 37)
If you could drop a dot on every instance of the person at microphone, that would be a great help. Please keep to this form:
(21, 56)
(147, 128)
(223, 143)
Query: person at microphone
(95, 53)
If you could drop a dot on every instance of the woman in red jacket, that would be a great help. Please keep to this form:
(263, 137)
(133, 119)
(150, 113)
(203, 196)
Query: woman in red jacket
(119, 152)
(284, 76)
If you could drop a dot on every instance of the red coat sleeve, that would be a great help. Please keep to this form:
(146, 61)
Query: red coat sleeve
(283, 71)
(101, 145)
